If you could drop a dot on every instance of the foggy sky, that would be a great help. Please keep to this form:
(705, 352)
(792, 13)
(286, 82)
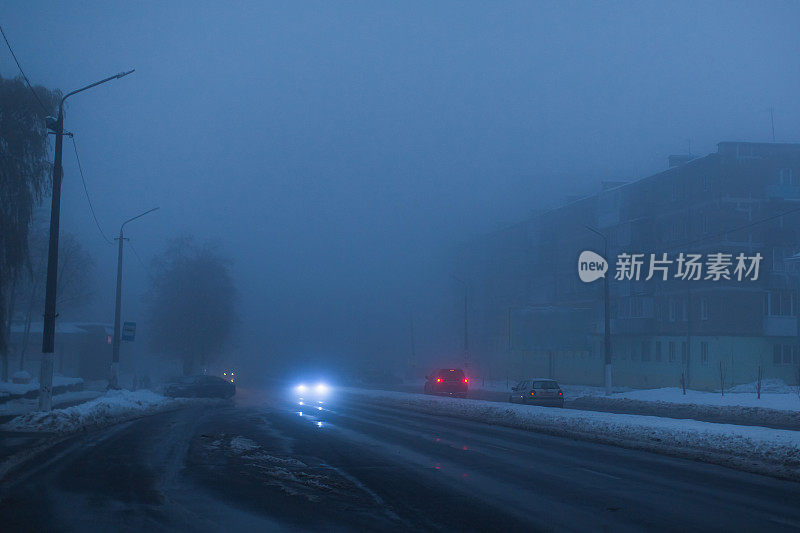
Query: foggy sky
(337, 151)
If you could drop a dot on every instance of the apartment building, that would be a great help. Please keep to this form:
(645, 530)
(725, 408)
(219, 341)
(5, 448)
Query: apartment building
(531, 313)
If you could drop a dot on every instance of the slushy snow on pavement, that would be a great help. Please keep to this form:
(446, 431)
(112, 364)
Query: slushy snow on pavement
(114, 406)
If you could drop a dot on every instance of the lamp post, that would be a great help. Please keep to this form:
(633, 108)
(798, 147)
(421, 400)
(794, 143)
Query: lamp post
(606, 314)
(49, 330)
(466, 330)
(113, 382)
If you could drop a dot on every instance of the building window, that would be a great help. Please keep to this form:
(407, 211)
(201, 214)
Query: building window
(637, 309)
(671, 351)
(785, 354)
(658, 351)
(684, 311)
(672, 310)
(787, 176)
(706, 180)
(684, 352)
(704, 224)
(703, 308)
(779, 303)
(645, 351)
(778, 256)
(704, 352)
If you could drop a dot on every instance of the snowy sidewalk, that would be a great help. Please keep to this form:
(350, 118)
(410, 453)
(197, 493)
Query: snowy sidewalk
(14, 391)
(757, 449)
(14, 408)
(778, 407)
(112, 407)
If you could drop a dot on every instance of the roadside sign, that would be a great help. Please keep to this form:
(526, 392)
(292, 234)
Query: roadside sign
(128, 331)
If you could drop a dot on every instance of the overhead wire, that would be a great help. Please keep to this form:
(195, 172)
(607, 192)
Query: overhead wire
(86, 190)
(24, 76)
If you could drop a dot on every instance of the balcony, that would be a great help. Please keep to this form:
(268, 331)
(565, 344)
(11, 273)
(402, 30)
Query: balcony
(785, 192)
(780, 326)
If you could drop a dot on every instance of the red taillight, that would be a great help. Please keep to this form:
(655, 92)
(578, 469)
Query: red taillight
(560, 393)
(438, 380)
(533, 393)
(465, 380)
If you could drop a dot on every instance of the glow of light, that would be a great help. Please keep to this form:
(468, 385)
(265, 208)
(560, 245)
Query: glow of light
(321, 388)
(300, 388)
(319, 424)
(319, 408)
(300, 403)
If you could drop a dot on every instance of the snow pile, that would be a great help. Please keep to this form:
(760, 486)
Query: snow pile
(241, 445)
(783, 401)
(770, 386)
(753, 448)
(20, 389)
(114, 406)
(26, 405)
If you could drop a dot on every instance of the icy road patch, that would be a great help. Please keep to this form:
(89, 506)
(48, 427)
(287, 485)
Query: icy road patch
(752, 448)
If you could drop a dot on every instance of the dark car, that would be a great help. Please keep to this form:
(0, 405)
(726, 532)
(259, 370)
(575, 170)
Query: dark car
(537, 391)
(200, 387)
(449, 381)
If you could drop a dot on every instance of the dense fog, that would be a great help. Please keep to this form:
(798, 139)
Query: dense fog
(338, 155)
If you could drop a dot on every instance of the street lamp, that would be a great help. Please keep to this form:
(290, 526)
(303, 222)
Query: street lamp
(113, 382)
(49, 330)
(466, 331)
(606, 314)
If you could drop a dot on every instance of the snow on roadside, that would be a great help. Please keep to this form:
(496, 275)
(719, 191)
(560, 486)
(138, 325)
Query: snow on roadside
(13, 389)
(775, 394)
(781, 401)
(114, 406)
(26, 405)
(752, 448)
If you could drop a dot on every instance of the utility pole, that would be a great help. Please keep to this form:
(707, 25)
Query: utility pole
(412, 370)
(772, 122)
(49, 330)
(606, 315)
(113, 382)
(466, 330)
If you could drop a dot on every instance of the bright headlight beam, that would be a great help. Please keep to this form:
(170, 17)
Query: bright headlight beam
(321, 388)
(300, 388)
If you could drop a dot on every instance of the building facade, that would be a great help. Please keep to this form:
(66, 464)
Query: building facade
(532, 315)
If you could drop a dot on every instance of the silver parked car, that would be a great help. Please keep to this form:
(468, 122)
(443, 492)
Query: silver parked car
(537, 391)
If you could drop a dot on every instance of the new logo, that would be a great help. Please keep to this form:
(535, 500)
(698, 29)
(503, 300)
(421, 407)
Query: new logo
(591, 266)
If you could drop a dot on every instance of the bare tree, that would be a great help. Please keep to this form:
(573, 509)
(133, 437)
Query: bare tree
(75, 275)
(758, 383)
(23, 183)
(191, 304)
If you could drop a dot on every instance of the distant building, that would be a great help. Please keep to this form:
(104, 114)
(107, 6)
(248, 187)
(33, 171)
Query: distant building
(81, 349)
(532, 315)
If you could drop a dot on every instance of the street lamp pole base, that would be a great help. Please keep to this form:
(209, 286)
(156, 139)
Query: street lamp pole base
(113, 381)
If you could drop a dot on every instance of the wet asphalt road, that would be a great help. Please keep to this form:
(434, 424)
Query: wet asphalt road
(267, 463)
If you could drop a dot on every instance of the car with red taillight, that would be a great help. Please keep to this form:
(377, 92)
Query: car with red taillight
(537, 391)
(447, 381)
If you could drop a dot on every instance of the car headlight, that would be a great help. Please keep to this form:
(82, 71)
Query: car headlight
(321, 388)
(301, 388)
